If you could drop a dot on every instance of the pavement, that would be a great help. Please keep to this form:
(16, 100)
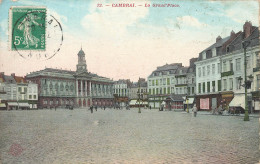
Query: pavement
(126, 136)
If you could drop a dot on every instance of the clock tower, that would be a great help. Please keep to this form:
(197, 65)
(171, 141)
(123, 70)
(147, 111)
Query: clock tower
(81, 66)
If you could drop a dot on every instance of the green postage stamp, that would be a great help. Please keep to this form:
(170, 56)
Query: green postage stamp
(27, 28)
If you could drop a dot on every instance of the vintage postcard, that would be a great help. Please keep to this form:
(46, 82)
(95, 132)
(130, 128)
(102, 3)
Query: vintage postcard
(129, 81)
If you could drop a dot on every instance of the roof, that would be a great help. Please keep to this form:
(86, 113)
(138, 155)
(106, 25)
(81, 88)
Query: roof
(167, 67)
(236, 44)
(58, 70)
(182, 70)
(171, 68)
(20, 79)
(9, 79)
(2, 77)
(219, 43)
(81, 53)
(175, 97)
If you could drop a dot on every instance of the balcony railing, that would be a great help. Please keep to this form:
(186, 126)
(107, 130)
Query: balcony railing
(181, 85)
(229, 73)
(256, 69)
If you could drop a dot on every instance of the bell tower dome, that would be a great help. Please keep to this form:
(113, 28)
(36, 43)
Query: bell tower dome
(81, 66)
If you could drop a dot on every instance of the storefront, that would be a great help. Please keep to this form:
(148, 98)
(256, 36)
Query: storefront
(238, 101)
(208, 102)
(12, 105)
(23, 105)
(174, 102)
(188, 102)
(256, 101)
(2, 106)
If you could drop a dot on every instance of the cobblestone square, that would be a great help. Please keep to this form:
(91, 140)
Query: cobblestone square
(125, 136)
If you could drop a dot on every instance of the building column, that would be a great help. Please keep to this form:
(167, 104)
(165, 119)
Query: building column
(77, 87)
(216, 85)
(90, 88)
(81, 87)
(86, 88)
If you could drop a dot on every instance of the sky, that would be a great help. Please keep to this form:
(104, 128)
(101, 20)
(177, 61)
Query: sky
(128, 43)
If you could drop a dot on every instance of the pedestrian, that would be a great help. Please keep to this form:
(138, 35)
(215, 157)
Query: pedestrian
(96, 108)
(194, 109)
(214, 110)
(150, 107)
(91, 109)
(104, 108)
(220, 109)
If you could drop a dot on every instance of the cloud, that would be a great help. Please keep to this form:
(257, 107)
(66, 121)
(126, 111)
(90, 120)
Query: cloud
(189, 21)
(240, 17)
(112, 21)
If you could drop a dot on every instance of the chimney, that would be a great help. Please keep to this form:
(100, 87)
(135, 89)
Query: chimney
(232, 35)
(192, 61)
(247, 29)
(13, 74)
(218, 38)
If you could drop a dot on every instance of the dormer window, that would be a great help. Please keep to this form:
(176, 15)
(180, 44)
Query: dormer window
(204, 55)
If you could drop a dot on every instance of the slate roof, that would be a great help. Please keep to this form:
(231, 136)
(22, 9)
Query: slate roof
(171, 68)
(236, 44)
(175, 97)
(9, 79)
(181, 70)
(219, 43)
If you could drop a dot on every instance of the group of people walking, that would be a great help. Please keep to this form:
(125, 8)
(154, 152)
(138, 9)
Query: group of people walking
(95, 107)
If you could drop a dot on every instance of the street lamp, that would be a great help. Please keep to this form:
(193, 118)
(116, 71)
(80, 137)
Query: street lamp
(139, 90)
(187, 103)
(245, 45)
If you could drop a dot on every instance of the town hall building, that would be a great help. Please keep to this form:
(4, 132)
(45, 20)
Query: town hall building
(80, 88)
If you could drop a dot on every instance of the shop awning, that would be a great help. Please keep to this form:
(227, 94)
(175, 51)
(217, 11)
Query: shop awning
(238, 100)
(132, 102)
(24, 105)
(12, 103)
(2, 105)
(189, 102)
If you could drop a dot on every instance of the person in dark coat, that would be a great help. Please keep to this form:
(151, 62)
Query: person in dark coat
(96, 108)
(91, 109)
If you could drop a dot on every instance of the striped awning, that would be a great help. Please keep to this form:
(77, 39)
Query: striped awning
(2, 105)
(12, 104)
(24, 105)
(238, 100)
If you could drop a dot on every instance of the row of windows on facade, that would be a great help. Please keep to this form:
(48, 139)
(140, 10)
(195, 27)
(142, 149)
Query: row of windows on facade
(216, 86)
(126, 91)
(180, 80)
(120, 86)
(227, 66)
(24, 97)
(72, 87)
(30, 89)
(45, 81)
(62, 102)
(181, 90)
(72, 91)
